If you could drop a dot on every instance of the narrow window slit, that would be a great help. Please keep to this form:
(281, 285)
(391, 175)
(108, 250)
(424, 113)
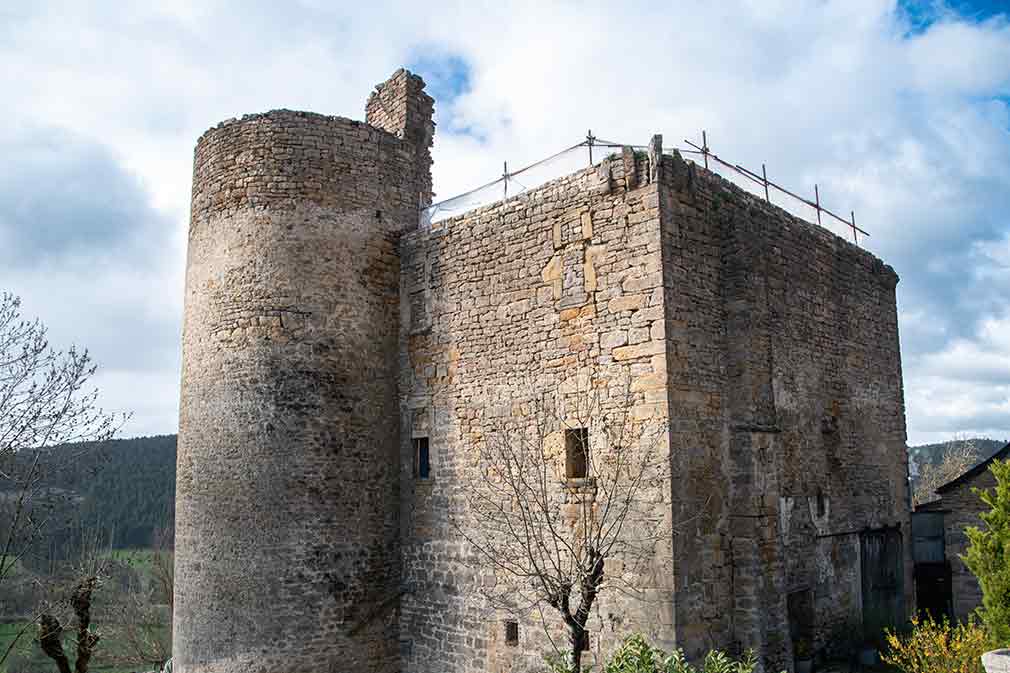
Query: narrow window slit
(577, 453)
(511, 632)
(422, 458)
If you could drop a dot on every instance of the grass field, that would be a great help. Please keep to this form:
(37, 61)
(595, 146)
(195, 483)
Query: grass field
(27, 657)
(138, 558)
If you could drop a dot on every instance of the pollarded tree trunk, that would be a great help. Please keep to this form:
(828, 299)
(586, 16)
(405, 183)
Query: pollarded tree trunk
(589, 589)
(51, 631)
(576, 638)
(51, 642)
(80, 601)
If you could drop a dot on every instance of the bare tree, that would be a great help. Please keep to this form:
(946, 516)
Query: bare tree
(143, 620)
(88, 570)
(957, 457)
(561, 507)
(45, 404)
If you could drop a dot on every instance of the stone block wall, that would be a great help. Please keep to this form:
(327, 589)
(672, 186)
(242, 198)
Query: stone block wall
(559, 290)
(694, 335)
(787, 416)
(961, 510)
(766, 345)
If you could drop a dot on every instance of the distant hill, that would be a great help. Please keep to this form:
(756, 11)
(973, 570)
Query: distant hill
(132, 489)
(931, 453)
(123, 486)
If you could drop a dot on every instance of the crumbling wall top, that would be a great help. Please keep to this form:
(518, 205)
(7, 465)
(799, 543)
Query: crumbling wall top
(400, 106)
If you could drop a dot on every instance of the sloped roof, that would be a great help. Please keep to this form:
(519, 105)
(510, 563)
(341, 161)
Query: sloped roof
(935, 505)
(1002, 454)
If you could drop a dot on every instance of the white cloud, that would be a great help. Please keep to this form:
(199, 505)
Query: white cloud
(909, 130)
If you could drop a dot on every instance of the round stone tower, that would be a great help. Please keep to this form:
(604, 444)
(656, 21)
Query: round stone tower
(287, 537)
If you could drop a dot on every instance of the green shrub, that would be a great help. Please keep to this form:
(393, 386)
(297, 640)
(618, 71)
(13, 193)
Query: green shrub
(715, 662)
(933, 647)
(988, 555)
(635, 655)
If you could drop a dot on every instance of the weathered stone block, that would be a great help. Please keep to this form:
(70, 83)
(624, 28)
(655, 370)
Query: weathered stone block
(610, 340)
(639, 350)
(627, 303)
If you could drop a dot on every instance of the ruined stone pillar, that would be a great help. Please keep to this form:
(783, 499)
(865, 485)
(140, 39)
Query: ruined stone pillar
(400, 106)
(287, 545)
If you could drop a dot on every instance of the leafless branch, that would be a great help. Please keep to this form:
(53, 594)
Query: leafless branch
(45, 405)
(957, 457)
(550, 537)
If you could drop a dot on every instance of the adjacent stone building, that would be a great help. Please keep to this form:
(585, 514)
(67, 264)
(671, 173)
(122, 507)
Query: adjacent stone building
(341, 362)
(960, 507)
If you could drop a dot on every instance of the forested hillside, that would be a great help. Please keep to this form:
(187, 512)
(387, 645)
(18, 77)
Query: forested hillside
(132, 488)
(931, 453)
(125, 487)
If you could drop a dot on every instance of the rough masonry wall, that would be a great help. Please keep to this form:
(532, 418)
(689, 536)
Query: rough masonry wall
(962, 509)
(400, 106)
(287, 538)
(806, 383)
(694, 330)
(768, 347)
(560, 289)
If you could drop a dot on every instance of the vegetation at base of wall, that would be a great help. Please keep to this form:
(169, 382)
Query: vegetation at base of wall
(988, 555)
(636, 655)
(938, 647)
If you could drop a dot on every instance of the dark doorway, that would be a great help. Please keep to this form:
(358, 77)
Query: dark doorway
(883, 582)
(933, 590)
(800, 606)
(933, 593)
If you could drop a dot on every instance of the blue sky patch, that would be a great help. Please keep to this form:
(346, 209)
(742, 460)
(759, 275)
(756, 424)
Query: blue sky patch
(447, 75)
(922, 14)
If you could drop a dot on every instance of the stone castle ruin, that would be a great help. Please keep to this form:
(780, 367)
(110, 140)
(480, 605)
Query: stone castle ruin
(339, 361)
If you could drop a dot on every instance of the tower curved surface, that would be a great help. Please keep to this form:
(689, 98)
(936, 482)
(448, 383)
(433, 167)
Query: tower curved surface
(287, 548)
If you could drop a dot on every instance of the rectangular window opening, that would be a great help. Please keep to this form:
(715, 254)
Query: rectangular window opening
(577, 453)
(511, 632)
(422, 458)
(584, 645)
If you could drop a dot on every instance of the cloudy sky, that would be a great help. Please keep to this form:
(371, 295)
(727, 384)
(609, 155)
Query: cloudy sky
(898, 109)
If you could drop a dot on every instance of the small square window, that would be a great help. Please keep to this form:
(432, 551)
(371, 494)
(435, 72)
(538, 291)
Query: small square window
(512, 632)
(577, 453)
(422, 458)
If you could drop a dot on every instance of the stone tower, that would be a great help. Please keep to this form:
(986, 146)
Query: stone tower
(287, 532)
